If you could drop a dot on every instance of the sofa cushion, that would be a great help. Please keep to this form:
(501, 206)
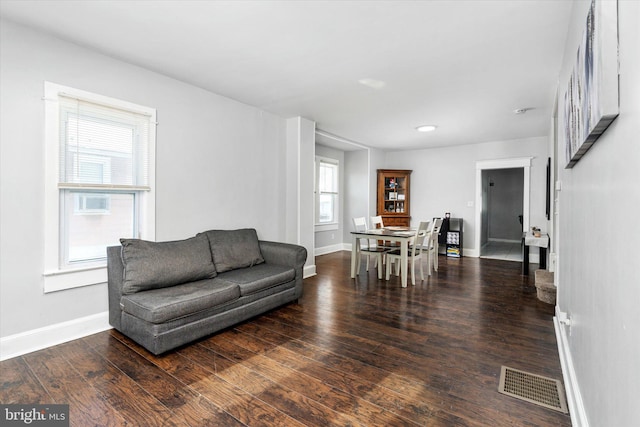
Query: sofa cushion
(153, 265)
(166, 304)
(259, 277)
(233, 249)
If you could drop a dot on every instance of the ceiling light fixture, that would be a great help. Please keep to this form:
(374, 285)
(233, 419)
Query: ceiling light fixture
(426, 128)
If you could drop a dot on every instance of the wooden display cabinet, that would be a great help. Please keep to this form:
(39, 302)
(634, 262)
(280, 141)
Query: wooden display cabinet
(394, 197)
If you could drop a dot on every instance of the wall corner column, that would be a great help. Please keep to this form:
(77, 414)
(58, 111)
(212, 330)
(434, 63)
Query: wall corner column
(299, 224)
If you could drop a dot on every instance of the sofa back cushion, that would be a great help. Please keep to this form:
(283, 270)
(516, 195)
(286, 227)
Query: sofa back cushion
(154, 265)
(233, 249)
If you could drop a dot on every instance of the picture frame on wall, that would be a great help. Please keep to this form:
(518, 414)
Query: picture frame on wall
(591, 101)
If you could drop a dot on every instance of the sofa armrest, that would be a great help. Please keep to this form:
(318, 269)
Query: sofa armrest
(115, 281)
(283, 254)
(286, 254)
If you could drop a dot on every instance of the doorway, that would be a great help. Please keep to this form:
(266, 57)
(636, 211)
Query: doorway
(523, 167)
(502, 218)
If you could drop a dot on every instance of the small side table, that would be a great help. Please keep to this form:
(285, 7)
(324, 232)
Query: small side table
(528, 239)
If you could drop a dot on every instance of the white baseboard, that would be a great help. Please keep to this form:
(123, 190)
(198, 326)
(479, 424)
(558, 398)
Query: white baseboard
(37, 339)
(574, 397)
(471, 253)
(308, 271)
(330, 249)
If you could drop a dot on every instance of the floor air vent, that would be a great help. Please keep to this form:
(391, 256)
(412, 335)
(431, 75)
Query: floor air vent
(533, 388)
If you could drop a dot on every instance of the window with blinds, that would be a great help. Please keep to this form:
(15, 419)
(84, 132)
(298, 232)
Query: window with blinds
(102, 147)
(326, 191)
(104, 176)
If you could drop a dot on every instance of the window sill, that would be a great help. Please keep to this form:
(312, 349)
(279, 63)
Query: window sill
(60, 280)
(327, 227)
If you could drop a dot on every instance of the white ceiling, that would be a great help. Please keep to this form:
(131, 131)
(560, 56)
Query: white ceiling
(461, 65)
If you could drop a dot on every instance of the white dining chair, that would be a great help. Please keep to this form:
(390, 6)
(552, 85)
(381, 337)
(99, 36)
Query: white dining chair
(376, 222)
(414, 254)
(371, 249)
(432, 246)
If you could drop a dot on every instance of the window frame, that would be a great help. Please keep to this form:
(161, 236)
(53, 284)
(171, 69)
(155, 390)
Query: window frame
(57, 276)
(333, 225)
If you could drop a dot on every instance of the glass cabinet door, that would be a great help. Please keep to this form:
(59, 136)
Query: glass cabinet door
(395, 193)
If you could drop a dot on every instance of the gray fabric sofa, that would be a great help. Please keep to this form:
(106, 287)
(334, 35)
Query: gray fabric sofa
(167, 294)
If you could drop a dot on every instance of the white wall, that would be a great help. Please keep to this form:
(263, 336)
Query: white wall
(376, 161)
(443, 180)
(598, 276)
(356, 190)
(307, 199)
(220, 164)
(330, 238)
(299, 187)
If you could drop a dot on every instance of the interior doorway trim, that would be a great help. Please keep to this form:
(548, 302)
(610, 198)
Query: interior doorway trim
(517, 162)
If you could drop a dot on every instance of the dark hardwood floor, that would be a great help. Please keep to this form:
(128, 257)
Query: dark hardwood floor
(352, 352)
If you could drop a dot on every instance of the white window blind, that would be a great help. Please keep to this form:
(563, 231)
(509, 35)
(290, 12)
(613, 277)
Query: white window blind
(102, 147)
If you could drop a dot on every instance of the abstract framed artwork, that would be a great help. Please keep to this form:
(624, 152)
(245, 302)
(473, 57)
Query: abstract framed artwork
(591, 102)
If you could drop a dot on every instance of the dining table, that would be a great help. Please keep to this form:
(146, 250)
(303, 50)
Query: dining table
(402, 235)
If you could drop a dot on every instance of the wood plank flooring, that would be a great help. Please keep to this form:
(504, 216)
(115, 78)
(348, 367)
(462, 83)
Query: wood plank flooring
(361, 352)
